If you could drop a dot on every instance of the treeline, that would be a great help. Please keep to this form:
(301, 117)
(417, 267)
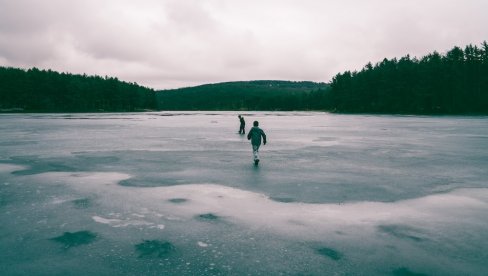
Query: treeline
(245, 95)
(452, 83)
(37, 90)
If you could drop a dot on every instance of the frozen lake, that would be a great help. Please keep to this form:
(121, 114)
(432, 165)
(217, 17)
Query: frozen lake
(177, 194)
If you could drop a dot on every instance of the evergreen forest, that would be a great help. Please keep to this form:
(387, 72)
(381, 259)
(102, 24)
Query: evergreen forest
(245, 95)
(37, 90)
(455, 82)
(452, 83)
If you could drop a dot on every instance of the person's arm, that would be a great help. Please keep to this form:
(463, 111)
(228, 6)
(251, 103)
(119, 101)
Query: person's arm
(264, 137)
(249, 134)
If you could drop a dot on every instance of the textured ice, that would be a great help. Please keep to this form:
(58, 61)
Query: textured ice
(177, 194)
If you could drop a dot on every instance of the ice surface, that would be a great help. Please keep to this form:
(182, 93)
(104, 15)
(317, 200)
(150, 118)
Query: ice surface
(177, 194)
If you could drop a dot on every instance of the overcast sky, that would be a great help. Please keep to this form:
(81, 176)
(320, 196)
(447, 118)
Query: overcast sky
(176, 43)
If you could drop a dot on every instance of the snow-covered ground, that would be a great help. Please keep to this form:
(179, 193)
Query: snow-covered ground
(176, 193)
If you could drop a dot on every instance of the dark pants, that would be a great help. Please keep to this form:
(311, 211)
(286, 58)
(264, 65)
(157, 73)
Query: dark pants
(242, 129)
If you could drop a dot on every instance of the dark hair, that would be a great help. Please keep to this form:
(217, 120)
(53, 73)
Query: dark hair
(256, 123)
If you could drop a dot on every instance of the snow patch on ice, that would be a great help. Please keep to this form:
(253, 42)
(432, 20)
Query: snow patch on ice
(202, 244)
(123, 223)
(159, 226)
(59, 200)
(105, 220)
(258, 211)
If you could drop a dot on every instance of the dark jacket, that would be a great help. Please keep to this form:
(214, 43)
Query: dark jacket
(255, 135)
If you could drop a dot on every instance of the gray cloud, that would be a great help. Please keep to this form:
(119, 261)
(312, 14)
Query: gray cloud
(174, 43)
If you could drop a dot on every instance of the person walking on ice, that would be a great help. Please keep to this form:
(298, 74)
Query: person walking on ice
(255, 135)
(242, 127)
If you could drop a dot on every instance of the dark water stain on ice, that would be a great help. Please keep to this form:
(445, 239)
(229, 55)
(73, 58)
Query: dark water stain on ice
(38, 166)
(154, 249)
(402, 232)
(17, 143)
(330, 253)
(325, 139)
(97, 159)
(283, 199)
(152, 182)
(5, 197)
(42, 168)
(403, 271)
(78, 163)
(69, 239)
(178, 200)
(81, 203)
(208, 216)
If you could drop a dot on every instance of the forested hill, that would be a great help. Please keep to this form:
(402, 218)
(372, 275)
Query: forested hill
(452, 83)
(245, 95)
(36, 90)
(455, 82)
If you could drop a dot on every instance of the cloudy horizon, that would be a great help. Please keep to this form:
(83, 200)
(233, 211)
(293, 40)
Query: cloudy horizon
(171, 43)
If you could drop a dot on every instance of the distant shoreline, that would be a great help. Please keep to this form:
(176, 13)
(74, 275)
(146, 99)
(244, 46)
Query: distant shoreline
(2, 112)
(454, 83)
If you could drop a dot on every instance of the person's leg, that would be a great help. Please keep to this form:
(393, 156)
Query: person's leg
(255, 152)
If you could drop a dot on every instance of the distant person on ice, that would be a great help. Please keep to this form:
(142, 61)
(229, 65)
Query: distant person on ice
(242, 128)
(255, 135)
